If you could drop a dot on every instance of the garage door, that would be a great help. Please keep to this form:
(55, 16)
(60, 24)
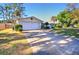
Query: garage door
(30, 26)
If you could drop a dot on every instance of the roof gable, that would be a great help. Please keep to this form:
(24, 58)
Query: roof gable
(30, 19)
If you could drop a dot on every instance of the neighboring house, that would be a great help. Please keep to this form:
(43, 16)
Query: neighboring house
(30, 23)
(53, 21)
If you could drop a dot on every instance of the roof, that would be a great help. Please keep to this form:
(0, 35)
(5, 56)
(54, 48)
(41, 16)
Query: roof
(53, 20)
(32, 18)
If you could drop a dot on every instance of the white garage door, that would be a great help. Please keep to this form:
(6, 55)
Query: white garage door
(30, 26)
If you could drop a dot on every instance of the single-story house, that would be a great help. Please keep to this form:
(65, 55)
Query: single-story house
(30, 23)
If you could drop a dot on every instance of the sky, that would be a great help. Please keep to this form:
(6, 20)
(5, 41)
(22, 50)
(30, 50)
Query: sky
(44, 11)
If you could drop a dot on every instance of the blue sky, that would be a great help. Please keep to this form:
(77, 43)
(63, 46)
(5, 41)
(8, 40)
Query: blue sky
(44, 11)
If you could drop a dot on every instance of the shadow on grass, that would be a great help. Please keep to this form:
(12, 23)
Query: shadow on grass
(70, 32)
(7, 48)
(5, 38)
(15, 49)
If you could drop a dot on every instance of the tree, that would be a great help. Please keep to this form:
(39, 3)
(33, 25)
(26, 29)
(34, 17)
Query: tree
(5, 11)
(2, 13)
(18, 10)
(64, 17)
(70, 16)
(74, 13)
(71, 6)
(11, 10)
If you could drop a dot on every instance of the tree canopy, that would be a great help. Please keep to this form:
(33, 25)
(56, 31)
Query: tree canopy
(69, 16)
(9, 11)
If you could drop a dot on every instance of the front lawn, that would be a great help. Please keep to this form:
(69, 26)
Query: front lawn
(69, 31)
(12, 42)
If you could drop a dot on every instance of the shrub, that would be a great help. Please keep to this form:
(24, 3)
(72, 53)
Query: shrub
(77, 25)
(18, 27)
(65, 26)
(57, 26)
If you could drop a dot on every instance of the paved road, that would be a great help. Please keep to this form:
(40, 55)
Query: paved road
(48, 43)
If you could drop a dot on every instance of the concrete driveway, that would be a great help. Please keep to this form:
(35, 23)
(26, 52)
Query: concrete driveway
(45, 42)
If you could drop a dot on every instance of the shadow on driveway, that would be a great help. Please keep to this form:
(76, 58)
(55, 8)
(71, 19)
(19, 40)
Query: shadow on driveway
(53, 44)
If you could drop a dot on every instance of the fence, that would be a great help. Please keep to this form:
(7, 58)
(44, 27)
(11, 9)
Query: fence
(5, 25)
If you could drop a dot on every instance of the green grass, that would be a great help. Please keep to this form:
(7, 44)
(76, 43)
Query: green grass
(70, 31)
(2, 33)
